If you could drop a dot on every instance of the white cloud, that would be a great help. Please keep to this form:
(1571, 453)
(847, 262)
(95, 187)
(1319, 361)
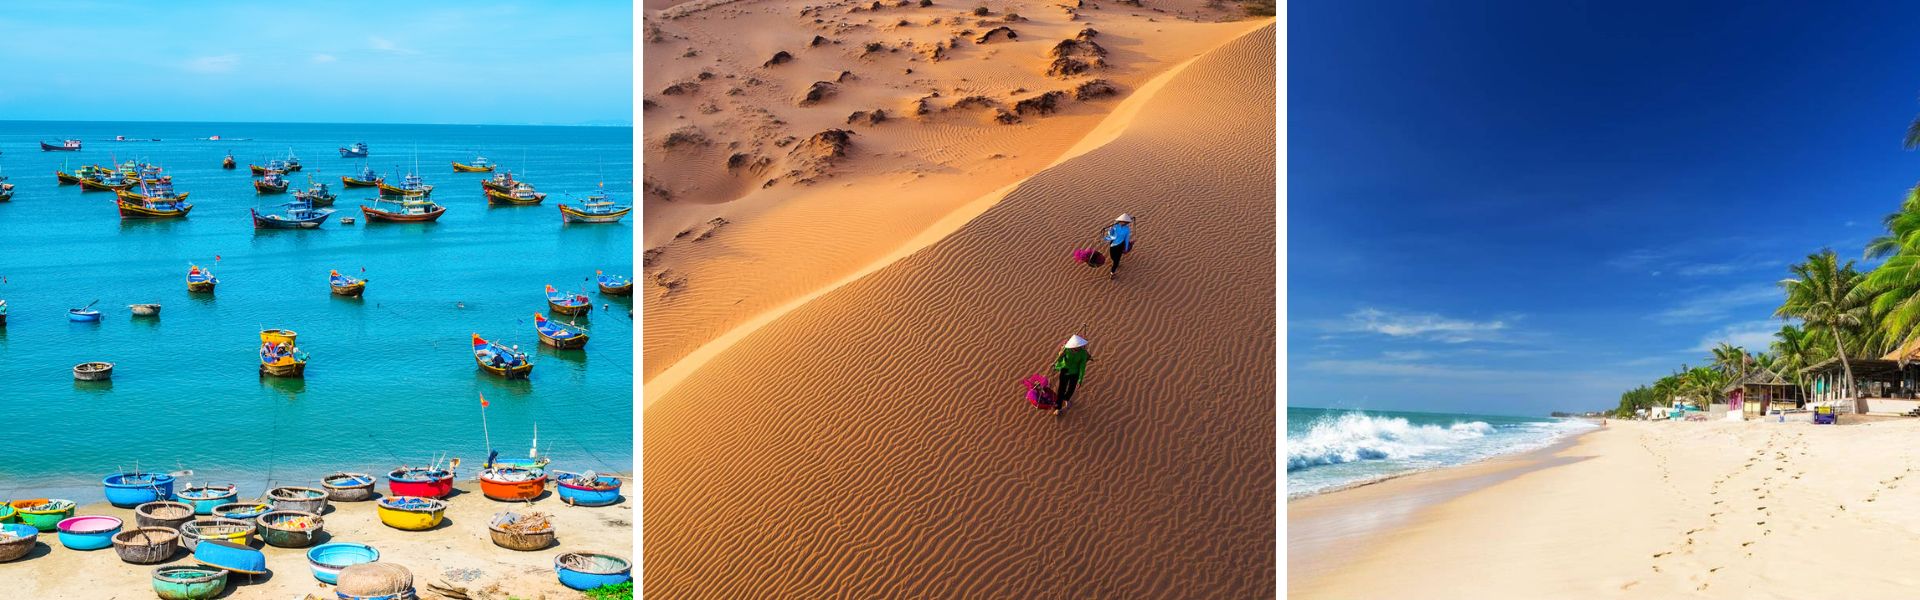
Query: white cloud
(1707, 269)
(1754, 336)
(1714, 304)
(386, 45)
(1427, 326)
(213, 64)
(324, 58)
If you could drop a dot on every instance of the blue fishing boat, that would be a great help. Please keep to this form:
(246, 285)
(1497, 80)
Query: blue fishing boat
(317, 193)
(273, 166)
(84, 314)
(204, 498)
(586, 570)
(500, 360)
(359, 150)
(222, 554)
(328, 560)
(200, 279)
(614, 285)
(568, 303)
(588, 489)
(299, 214)
(367, 178)
(565, 336)
(596, 209)
(89, 532)
(127, 490)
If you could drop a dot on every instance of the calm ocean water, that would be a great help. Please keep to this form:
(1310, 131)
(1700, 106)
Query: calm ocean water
(1330, 448)
(391, 378)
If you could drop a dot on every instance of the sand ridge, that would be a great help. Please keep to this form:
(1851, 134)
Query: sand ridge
(871, 442)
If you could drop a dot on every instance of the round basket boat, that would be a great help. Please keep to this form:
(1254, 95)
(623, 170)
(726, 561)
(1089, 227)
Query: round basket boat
(302, 499)
(512, 484)
(375, 581)
(146, 545)
(205, 498)
(523, 532)
(214, 528)
(170, 515)
(189, 583)
(16, 540)
(128, 490)
(328, 559)
(8, 514)
(93, 371)
(43, 514)
(411, 513)
(348, 487)
(90, 532)
(587, 489)
(586, 570)
(241, 511)
(238, 558)
(290, 528)
(145, 310)
(420, 482)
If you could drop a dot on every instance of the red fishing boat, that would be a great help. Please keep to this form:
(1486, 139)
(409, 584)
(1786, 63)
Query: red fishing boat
(423, 482)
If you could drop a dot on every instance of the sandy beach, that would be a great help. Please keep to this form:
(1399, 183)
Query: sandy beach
(458, 555)
(1635, 510)
(833, 359)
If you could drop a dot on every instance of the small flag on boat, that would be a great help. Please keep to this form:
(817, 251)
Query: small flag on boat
(216, 258)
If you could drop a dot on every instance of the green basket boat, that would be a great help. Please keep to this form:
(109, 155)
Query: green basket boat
(44, 515)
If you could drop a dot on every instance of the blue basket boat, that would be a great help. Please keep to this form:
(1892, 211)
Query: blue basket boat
(586, 571)
(82, 315)
(222, 554)
(581, 490)
(328, 559)
(189, 583)
(17, 540)
(127, 490)
(205, 498)
(90, 532)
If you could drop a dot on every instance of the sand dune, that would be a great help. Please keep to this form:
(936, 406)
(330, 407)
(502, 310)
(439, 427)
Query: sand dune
(871, 442)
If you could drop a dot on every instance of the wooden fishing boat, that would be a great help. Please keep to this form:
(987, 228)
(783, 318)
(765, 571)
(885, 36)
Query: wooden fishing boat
(281, 359)
(146, 545)
(3, 313)
(299, 214)
(512, 484)
(66, 178)
(273, 166)
(565, 336)
(410, 186)
(279, 336)
(152, 209)
(200, 280)
(93, 371)
(402, 211)
(359, 150)
(348, 487)
(293, 162)
(345, 286)
(506, 362)
(145, 310)
(189, 583)
(317, 193)
(228, 162)
(522, 195)
(367, 178)
(422, 482)
(158, 190)
(499, 182)
(6, 192)
(596, 209)
(479, 165)
(65, 146)
(613, 285)
(568, 303)
(104, 183)
(272, 183)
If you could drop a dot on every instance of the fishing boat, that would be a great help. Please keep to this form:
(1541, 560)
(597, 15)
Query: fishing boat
(278, 356)
(104, 181)
(150, 208)
(65, 146)
(410, 186)
(512, 484)
(479, 165)
(359, 150)
(412, 513)
(228, 162)
(521, 195)
(6, 192)
(316, 193)
(299, 214)
(367, 178)
(93, 371)
(235, 557)
(568, 303)
(613, 285)
(410, 210)
(499, 182)
(205, 498)
(157, 189)
(587, 489)
(596, 209)
(189, 583)
(585, 570)
(506, 362)
(127, 490)
(145, 310)
(3, 313)
(293, 162)
(85, 314)
(272, 183)
(273, 166)
(200, 280)
(565, 336)
(42, 513)
(346, 286)
(421, 482)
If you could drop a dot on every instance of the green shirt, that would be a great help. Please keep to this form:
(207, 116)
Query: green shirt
(1072, 360)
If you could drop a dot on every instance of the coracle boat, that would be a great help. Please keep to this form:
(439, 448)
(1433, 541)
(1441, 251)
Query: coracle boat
(479, 165)
(565, 336)
(64, 146)
(89, 532)
(145, 310)
(244, 512)
(281, 359)
(189, 583)
(412, 513)
(596, 209)
(348, 487)
(272, 183)
(93, 371)
(228, 162)
(613, 285)
(150, 207)
(499, 182)
(410, 186)
(317, 193)
(298, 499)
(523, 532)
(506, 362)
(587, 489)
(411, 210)
(235, 557)
(376, 581)
(367, 178)
(43, 514)
(200, 280)
(568, 303)
(146, 545)
(584, 570)
(205, 498)
(290, 528)
(359, 150)
(273, 166)
(345, 286)
(17, 540)
(512, 484)
(420, 482)
(128, 490)
(327, 560)
(163, 513)
(299, 214)
(521, 195)
(8, 515)
(83, 315)
(216, 529)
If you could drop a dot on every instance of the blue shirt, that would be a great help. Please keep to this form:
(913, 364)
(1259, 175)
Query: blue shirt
(1119, 234)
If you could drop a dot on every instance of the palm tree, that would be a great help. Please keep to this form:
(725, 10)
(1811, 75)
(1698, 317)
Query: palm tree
(1895, 284)
(1791, 352)
(1828, 297)
(1731, 359)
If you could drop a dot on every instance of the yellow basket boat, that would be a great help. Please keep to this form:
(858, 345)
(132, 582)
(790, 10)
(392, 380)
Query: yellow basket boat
(412, 513)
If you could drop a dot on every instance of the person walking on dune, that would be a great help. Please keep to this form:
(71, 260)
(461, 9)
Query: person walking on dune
(1071, 365)
(1119, 237)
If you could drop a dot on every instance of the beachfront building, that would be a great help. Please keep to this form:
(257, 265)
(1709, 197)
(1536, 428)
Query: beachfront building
(1880, 386)
(1760, 392)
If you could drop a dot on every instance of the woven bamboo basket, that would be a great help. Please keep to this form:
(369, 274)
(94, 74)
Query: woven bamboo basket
(215, 528)
(277, 528)
(170, 515)
(340, 487)
(146, 545)
(521, 539)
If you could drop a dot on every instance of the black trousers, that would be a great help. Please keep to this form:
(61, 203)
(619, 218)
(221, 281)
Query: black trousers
(1068, 382)
(1113, 258)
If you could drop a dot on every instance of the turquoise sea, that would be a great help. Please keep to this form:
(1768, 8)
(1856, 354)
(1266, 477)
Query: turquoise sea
(391, 379)
(1333, 448)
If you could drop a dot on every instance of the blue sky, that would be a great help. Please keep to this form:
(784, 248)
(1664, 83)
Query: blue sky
(1519, 207)
(360, 62)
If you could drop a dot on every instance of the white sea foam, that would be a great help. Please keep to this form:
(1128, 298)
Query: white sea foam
(1358, 436)
(1342, 449)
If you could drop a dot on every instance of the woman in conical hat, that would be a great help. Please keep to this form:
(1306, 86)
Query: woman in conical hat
(1071, 364)
(1119, 238)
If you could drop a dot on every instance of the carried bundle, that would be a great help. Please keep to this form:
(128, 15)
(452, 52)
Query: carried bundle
(1092, 257)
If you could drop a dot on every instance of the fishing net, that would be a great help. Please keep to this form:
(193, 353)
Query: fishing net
(411, 503)
(529, 523)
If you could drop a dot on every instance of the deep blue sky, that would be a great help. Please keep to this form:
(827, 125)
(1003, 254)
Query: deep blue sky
(1519, 207)
(360, 62)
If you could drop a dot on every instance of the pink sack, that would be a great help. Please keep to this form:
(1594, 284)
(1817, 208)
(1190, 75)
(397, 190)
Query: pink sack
(1092, 257)
(1039, 394)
